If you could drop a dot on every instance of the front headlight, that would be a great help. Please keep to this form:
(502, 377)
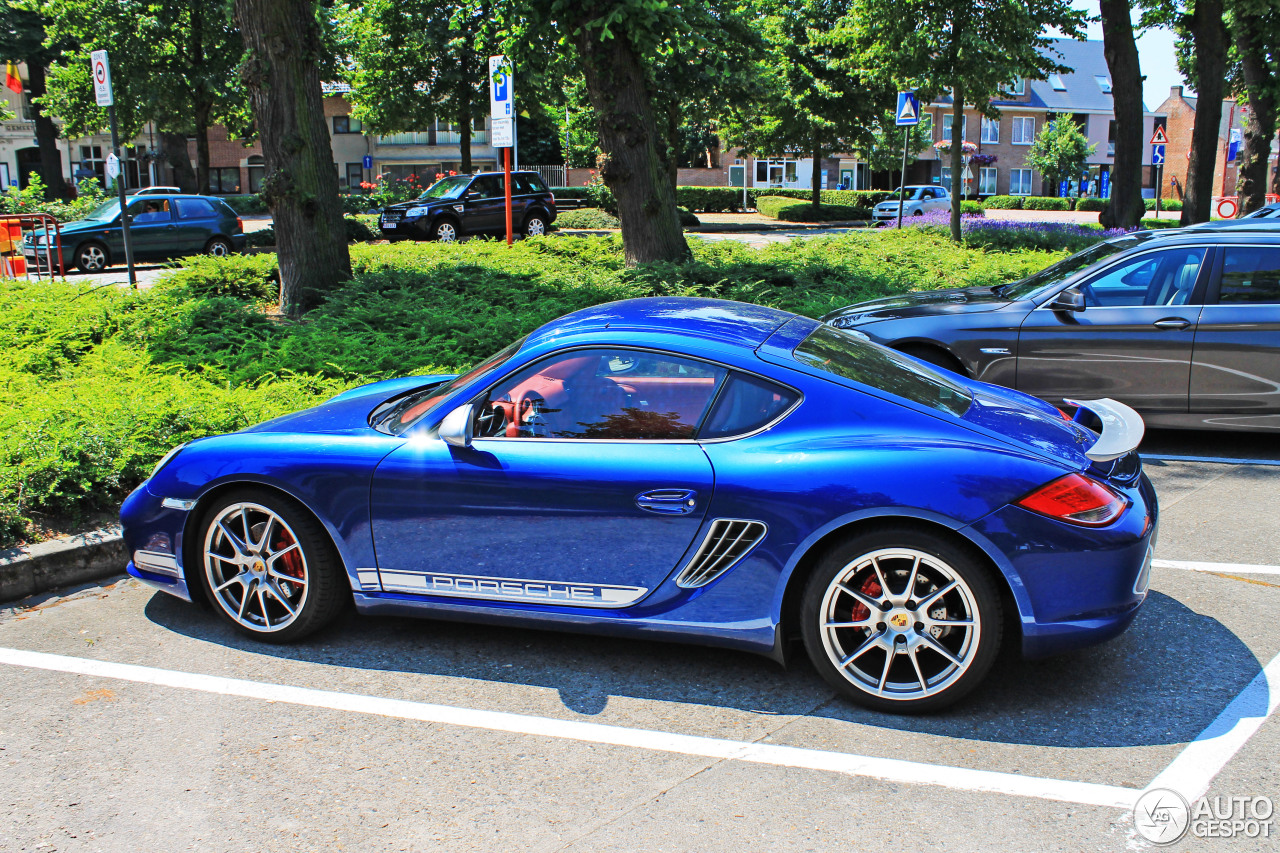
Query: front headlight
(164, 460)
(415, 212)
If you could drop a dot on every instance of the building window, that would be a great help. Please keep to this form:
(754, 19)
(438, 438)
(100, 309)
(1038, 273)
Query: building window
(420, 174)
(777, 173)
(1019, 182)
(1018, 86)
(946, 177)
(990, 129)
(1056, 82)
(28, 112)
(1111, 139)
(354, 177)
(410, 138)
(257, 168)
(224, 181)
(946, 128)
(91, 159)
(926, 125)
(347, 124)
(1024, 130)
(987, 181)
(1104, 83)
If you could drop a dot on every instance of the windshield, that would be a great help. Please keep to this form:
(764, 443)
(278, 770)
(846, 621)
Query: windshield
(410, 409)
(105, 211)
(447, 188)
(1064, 269)
(836, 351)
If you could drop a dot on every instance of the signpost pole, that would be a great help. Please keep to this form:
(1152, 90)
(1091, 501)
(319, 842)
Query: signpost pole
(902, 182)
(506, 160)
(1159, 181)
(100, 67)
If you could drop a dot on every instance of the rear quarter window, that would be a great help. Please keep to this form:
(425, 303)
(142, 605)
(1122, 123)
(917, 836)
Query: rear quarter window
(840, 354)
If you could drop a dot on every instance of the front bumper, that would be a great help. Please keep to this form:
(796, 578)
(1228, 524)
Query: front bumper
(153, 538)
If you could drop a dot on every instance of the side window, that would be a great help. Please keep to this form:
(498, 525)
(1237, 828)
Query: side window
(151, 211)
(1153, 278)
(602, 394)
(746, 404)
(520, 184)
(195, 208)
(1250, 274)
(489, 186)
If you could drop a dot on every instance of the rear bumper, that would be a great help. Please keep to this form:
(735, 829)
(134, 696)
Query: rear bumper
(1075, 586)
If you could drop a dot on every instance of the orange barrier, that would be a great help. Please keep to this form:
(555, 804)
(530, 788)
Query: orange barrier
(11, 249)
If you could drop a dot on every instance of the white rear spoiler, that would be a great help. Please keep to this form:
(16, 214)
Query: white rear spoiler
(1122, 428)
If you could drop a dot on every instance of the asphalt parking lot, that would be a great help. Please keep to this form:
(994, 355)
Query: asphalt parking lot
(132, 721)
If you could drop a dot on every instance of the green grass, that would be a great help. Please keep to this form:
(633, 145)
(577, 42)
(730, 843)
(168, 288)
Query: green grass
(96, 384)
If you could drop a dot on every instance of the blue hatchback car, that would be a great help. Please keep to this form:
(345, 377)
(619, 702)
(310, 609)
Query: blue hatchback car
(678, 469)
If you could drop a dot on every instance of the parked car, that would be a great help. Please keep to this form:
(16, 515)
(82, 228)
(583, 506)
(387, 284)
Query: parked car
(678, 469)
(160, 227)
(1182, 325)
(461, 205)
(918, 201)
(156, 191)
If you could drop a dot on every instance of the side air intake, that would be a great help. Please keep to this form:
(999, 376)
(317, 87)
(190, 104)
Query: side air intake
(727, 542)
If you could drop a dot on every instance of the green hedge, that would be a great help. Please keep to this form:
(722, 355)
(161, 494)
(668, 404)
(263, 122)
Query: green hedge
(1165, 204)
(790, 210)
(587, 217)
(1038, 202)
(1092, 205)
(854, 198)
(1161, 223)
(579, 193)
(972, 208)
(710, 199)
(246, 203)
(360, 229)
(1003, 202)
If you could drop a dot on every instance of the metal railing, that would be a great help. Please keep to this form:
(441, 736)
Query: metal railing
(554, 176)
(15, 255)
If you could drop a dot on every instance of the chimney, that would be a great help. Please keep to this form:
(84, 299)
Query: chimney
(1175, 92)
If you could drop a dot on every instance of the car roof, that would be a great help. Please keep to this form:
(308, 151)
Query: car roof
(500, 174)
(1228, 230)
(734, 323)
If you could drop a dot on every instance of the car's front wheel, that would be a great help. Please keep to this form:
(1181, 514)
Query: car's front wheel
(268, 566)
(901, 620)
(219, 247)
(445, 231)
(91, 258)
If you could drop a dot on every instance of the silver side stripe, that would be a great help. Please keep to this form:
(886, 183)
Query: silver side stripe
(511, 589)
(156, 562)
(368, 580)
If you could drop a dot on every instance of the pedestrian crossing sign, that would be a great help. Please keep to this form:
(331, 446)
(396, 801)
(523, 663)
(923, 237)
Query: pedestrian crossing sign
(908, 112)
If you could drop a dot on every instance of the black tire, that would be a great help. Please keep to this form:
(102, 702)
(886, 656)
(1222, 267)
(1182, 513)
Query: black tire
(535, 225)
(446, 231)
(936, 356)
(919, 211)
(914, 677)
(314, 583)
(219, 247)
(92, 257)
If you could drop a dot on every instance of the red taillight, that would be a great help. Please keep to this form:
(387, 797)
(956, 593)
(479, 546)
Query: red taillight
(1076, 499)
(239, 224)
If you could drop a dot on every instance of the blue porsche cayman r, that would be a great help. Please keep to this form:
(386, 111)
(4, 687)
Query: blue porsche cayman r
(678, 469)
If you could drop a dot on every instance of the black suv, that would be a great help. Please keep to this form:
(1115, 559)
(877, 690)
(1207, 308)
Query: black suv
(472, 204)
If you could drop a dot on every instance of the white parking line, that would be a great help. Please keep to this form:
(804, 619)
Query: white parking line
(887, 769)
(1217, 460)
(1230, 568)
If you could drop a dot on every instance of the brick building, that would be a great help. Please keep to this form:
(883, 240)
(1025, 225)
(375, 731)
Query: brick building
(1181, 112)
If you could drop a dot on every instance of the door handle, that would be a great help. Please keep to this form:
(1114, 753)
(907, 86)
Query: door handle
(1172, 323)
(668, 501)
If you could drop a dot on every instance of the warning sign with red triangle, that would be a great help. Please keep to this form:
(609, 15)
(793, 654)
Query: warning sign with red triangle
(1158, 138)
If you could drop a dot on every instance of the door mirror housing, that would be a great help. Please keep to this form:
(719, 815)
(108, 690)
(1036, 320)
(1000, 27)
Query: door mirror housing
(1068, 300)
(471, 195)
(456, 427)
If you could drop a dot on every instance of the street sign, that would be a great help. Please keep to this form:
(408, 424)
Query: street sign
(908, 112)
(1158, 138)
(101, 78)
(1064, 187)
(367, 161)
(1233, 145)
(503, 135)
(1157, 155)
(1104, 185)
(501, 90)
(113, 166)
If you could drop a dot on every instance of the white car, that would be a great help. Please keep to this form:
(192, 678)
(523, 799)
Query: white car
(918, 201)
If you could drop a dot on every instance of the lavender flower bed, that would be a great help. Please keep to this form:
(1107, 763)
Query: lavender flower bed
(979, 232)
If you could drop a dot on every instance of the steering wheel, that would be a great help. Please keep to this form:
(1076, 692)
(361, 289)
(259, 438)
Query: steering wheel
(1090, 298)
(528, 412)
(492, 419)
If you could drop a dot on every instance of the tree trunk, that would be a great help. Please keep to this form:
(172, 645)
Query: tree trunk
(46, 136)
(464, 124)
(673, 143)
(1260, 121)
(956, 152)
(280, 71)
(202, 105)
(1210, 38)
(633, 164)
(1126, 208)
(815, 178)
(173, 147)
(202, 148)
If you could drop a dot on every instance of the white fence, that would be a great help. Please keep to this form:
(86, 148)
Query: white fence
(553, 175)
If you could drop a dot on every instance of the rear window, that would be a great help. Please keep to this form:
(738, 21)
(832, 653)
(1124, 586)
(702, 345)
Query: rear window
(195, 208)
(841, 354)
(746, 404)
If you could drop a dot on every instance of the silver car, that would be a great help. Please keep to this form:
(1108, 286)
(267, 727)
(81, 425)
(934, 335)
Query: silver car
(919, 200)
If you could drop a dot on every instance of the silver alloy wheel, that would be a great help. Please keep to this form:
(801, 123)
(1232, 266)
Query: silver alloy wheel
(93, 258)
(256, 568)
(446, 233)
(535, 227)
(219, 248)
(900, 624)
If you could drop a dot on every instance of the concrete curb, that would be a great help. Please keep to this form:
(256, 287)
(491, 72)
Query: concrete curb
(65, 561)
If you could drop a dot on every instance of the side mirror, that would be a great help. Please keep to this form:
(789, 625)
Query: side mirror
(455, 429)
(1068, 300)
(471, 195)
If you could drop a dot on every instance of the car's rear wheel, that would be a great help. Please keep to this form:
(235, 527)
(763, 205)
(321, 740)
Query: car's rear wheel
(918, 212)
(91, 258)
(219, 247)
(535, 225)
(901, 620)
(445, 231)
(269, 567)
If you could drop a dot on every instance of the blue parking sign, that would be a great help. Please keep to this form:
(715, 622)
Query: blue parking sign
(908, 112)
(367, 162)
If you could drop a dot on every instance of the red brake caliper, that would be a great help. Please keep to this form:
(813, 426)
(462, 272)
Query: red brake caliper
(291, 563)
(871, 589)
